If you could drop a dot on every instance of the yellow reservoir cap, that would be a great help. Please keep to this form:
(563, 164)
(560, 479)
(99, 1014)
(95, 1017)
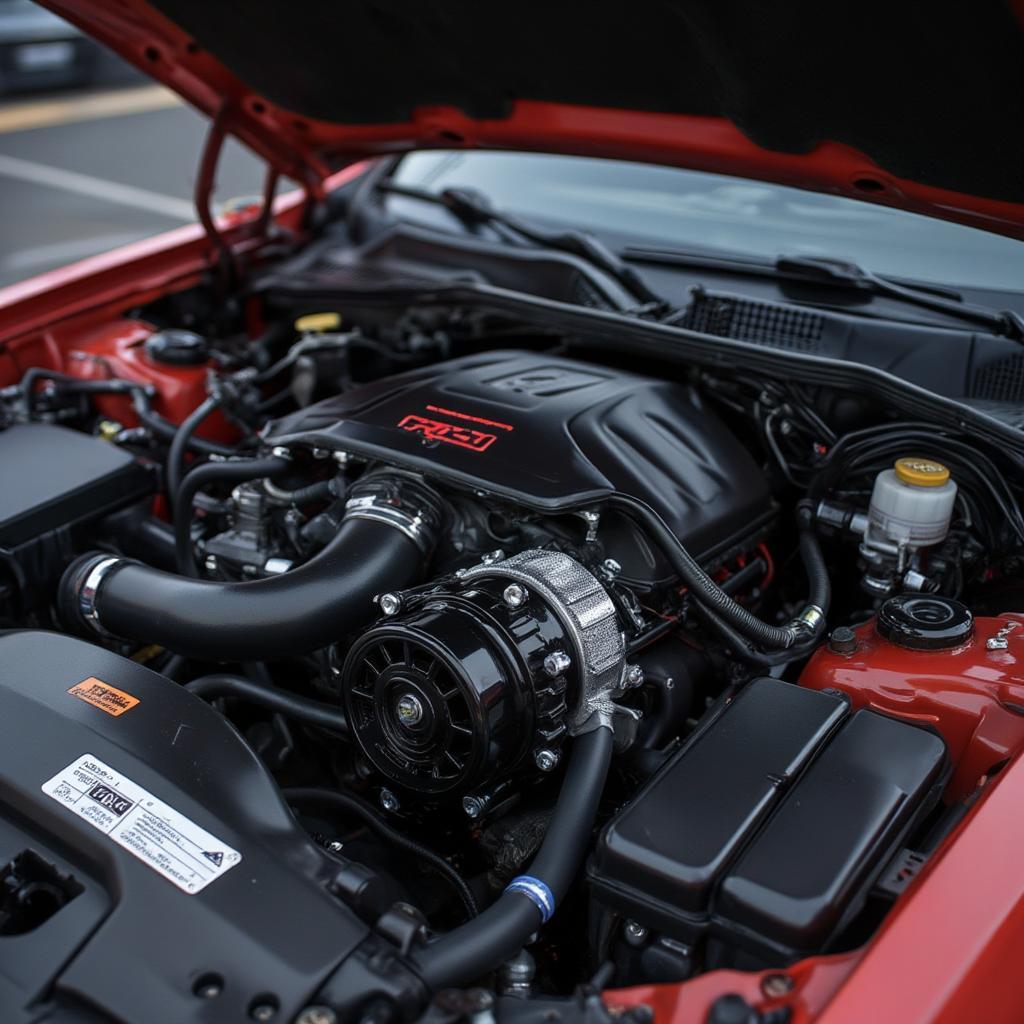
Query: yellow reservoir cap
(316, 323)
(920, 472)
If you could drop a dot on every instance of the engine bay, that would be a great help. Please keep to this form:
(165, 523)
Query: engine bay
(415, 659)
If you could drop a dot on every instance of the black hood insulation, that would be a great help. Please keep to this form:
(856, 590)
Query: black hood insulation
(931, 92)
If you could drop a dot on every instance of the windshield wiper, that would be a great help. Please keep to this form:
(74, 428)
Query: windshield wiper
(842, 272)
(839, 274)
(475, 210)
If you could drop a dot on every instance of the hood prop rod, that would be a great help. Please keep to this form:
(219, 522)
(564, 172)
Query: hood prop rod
(205, 183)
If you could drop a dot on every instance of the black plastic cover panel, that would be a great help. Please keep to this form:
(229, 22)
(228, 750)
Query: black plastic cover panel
(662, 857)
(790, 891)
(132, 945)
(52, 476)
(551, 434)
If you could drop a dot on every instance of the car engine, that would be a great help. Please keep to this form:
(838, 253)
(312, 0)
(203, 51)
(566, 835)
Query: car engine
(422, 660)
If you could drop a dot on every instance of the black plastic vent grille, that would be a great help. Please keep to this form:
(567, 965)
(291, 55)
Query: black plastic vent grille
(1001, 380)
(761, 323)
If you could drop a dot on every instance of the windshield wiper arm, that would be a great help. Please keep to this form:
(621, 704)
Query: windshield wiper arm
(475, 210)
(833, 271)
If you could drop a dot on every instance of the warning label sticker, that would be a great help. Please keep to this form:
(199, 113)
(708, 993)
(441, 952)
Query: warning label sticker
(146, 827)
(107, 698)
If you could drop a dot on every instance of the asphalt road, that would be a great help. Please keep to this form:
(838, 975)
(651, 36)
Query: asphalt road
(81, 173)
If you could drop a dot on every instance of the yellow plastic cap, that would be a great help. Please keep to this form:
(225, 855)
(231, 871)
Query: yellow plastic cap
(315, 323)
(921, 472)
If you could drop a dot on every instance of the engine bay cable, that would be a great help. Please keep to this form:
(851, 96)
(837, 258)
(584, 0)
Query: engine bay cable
(347, 803)
(302, 709)
(723, 607)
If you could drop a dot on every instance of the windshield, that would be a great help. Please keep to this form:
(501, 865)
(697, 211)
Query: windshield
(696, 211)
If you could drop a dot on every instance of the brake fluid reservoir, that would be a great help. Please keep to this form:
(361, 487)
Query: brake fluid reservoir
(912, 503)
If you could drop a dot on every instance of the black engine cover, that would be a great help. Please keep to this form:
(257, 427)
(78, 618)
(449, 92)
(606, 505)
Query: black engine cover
(552, 434)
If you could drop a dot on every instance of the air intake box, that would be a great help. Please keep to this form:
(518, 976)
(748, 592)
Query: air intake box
(51, 480)
(176, 855)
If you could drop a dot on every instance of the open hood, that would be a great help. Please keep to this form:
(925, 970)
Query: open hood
(913, 105)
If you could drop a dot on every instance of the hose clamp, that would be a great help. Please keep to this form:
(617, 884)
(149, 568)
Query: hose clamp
(810, 621)
(536, 892)
(89, 590)
(410, 524)
(401, 501)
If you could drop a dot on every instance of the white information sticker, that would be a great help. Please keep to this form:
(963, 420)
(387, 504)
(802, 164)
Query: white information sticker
(157, 834)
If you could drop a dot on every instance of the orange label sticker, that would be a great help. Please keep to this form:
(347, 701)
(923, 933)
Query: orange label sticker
(107, 698)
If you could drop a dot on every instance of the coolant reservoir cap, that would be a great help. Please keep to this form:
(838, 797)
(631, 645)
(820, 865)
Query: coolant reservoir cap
(920, 472)
(175, 346)
(924, 622)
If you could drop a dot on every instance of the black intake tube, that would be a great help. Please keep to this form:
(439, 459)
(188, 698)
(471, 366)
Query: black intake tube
(498, 933)
(296, 612)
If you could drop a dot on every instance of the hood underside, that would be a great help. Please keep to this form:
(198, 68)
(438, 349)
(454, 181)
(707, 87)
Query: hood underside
(913, 105)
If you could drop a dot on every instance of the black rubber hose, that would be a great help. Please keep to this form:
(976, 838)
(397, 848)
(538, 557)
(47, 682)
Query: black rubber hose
(235, 471)
(703, 587)
(166, 431)
(322, 490)
(480, 945)
(356, 807)
(176, 453)
(260, 620)
(820, 591)
(291, 705)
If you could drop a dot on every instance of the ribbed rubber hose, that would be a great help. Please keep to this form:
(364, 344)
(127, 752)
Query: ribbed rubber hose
(704, 589)
(299, 611)
(291, 705)
(487, 941)
(235, 471)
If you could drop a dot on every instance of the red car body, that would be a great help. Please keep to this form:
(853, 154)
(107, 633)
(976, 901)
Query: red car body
(949, 950)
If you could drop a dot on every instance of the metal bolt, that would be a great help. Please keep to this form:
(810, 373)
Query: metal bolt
(593, 521)
(515, 595)
(317, 1015)
(341, 458)
(497, 555)
(473, 806)
(262, 1012)
(280, 452)
(390, 603)
(774, 986)
(335, 846)
(611, 568)
(546, 760)
(997, 643)
(389, 801)
(556, 663)
(634, 933)
(409, 708)
(634, 676)
(209, 986)
(321, 453)
(210, 563)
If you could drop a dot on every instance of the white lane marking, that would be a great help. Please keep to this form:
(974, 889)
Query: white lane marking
(96, 188)
(57, 254)
(19, 117)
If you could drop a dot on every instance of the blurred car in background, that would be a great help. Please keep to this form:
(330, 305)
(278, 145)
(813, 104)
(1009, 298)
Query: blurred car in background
(38, 50)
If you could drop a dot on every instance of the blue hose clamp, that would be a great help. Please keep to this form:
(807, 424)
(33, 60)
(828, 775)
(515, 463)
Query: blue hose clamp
(535, 891)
